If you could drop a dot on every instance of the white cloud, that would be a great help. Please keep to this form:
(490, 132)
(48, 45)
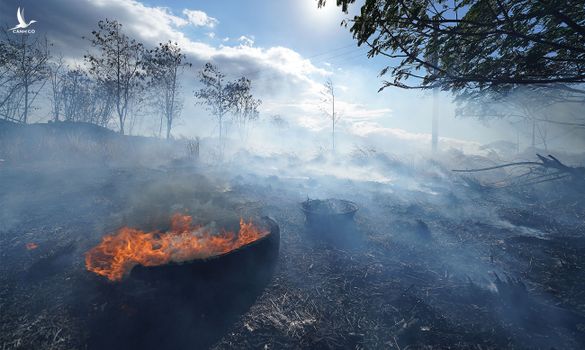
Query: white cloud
(200, 18)
(288, 83)
(246, 40)
(372, 130)
(356, 112)
(210, 35)
(367, 128)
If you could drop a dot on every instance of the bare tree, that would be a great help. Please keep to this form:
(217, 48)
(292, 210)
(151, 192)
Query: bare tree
(215, 95)
(25, 72)
(84, 99)
(8, 77)
(533, 111)
(56, 79)
(224, 99)
(244, 105)
(101, 110)
(74, 94)
(328, 95)
(118, 66)
(164, 66)
(280, 123)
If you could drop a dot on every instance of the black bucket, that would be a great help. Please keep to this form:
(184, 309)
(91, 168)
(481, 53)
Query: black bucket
(331, 219)
(328, 212)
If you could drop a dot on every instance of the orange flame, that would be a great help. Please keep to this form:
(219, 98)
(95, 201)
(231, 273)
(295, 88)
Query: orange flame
(118, 253)
(31, 246)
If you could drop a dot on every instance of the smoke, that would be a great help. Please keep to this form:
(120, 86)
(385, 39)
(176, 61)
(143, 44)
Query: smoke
(66, 185)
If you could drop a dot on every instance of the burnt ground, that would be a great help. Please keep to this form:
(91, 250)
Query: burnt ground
(426, 266)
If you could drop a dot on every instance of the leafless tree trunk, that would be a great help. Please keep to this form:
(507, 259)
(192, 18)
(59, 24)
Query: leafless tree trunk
(56, 87)
(164, 64)
(329, 98)
(214, 96)
(245, 106)
(118, 65)
(24, 73)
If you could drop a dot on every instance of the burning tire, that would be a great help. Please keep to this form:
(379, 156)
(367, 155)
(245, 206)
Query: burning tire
(183, 250)
(247, 263)
(186, 304)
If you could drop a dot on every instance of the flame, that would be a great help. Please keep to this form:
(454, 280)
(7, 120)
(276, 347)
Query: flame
(118, 253)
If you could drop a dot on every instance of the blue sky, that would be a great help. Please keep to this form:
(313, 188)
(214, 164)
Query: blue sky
(273, 23)
(287, 47)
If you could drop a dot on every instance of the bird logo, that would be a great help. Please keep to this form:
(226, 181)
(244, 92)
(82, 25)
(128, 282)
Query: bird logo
(21, 21)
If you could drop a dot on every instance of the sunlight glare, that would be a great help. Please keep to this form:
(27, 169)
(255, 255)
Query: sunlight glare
(323, 14)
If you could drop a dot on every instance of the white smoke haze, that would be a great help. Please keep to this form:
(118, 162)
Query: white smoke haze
(288, 83)
(421, 265)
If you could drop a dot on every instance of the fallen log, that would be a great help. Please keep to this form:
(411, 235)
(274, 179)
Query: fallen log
(561, 171)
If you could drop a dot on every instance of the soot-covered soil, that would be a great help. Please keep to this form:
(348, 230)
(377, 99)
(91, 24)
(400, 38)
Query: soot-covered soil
(425, 266)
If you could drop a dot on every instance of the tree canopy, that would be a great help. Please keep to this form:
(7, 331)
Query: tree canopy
(118, 65)
(478, 44)
(164, 65)
(23, 73)
(223, 98)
